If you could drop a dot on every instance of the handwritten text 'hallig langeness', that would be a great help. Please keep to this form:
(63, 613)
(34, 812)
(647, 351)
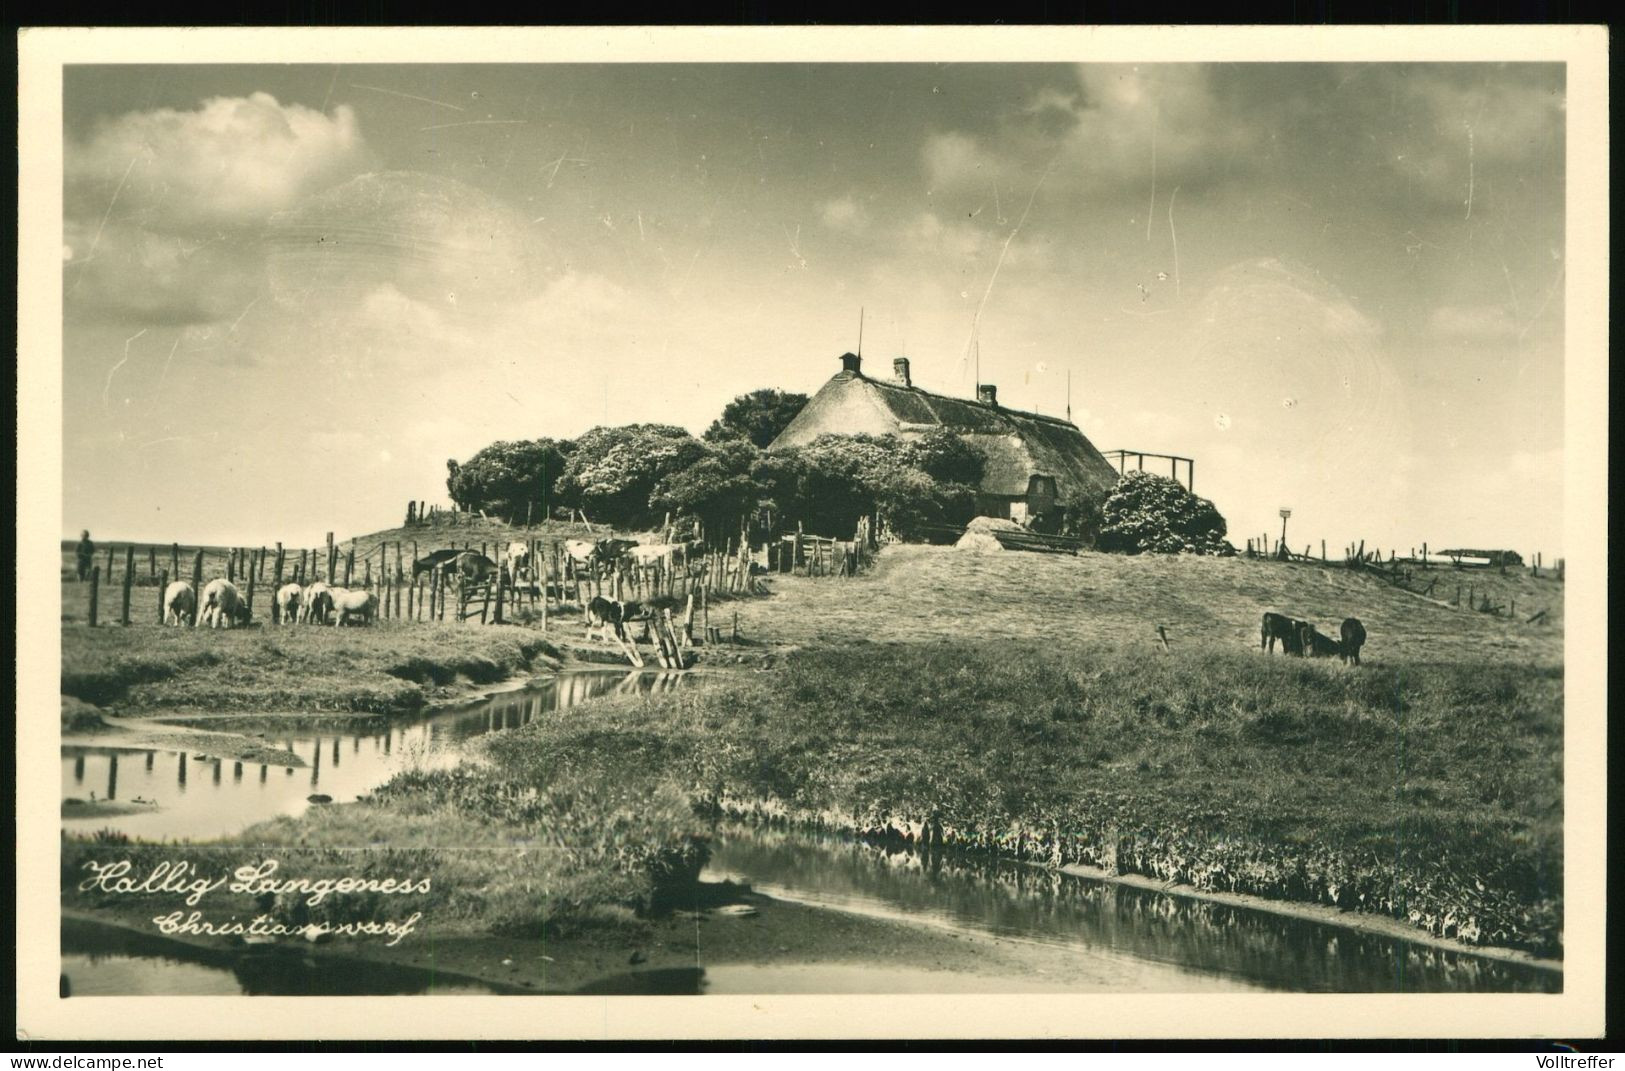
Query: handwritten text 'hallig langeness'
(182, 878)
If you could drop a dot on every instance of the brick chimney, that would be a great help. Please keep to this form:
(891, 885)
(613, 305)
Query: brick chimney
(987, 394)
(850, 362)
(899, 370)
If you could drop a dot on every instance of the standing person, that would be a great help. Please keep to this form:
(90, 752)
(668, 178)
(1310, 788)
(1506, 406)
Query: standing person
(84, 553)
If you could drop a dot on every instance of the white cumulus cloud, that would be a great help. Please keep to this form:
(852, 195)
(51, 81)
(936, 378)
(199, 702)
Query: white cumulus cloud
(230, 163)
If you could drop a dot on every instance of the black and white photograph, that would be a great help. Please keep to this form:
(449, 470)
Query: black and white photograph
(1026, 533)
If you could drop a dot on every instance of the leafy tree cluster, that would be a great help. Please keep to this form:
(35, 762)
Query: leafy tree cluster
(1154, 514)
(510, 480)
(757, 417)
(914, 485)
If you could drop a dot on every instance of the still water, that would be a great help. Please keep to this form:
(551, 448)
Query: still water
(1124, 939)
(192, 797)
(100, 961)
(1149, 941)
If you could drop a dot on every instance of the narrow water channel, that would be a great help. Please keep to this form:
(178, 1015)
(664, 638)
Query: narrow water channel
(1100, 935)
(1150, 940)
(182, 796)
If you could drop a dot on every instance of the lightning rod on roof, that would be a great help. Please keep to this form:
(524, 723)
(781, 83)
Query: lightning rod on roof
(1069, 395)
(860, 330)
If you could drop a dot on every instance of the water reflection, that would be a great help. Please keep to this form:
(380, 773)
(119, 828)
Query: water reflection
(1030, 903)
(106, 961)
(378, 750)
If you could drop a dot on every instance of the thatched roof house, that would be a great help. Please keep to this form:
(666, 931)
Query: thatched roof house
(1033, 461)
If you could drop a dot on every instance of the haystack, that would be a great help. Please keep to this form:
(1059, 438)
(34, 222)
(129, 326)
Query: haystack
(979, 533)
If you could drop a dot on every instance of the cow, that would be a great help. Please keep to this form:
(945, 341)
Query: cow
(1353, 639)
(287, 602)
(473, 566)
(1315, 644)
(650, 553)
(427, 563)
(179, 602)
(358, 603)
(1283, 628)
(315, 602)
(603, 614)
(517, 559)
(605, 552)
(221, 605)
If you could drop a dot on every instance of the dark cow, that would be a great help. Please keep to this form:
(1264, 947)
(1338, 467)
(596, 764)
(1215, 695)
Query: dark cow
(1315, 644)
(1353, 639)
(468, 564)
(427, 563)
(473, 566)
(1286, 629)
(609, 552)
(602, 614)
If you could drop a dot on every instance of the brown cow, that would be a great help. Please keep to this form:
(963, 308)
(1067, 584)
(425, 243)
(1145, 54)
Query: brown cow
(1286, 629)
(1353, 639)
(1315, 644)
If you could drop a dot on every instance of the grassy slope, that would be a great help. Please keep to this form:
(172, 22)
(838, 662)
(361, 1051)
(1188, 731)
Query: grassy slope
(919, 593)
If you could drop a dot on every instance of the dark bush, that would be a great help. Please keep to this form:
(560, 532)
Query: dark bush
(1155, 515)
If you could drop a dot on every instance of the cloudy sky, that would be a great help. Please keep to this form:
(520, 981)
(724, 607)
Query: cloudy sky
(291, 293)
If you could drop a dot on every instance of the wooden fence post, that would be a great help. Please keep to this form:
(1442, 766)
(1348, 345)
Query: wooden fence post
(197, 586)
(163, 586)
(95, 591)
(129, 579)
(253, 574)
(175, 560)
(108, 572)
(349, 565)
(152, 562)
(501, 594)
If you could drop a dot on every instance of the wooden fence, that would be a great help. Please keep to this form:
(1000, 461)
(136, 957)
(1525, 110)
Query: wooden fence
(552, 582)
(1410, 571)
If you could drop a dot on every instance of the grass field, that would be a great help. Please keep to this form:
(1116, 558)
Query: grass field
(1016, 703)
(920, 593)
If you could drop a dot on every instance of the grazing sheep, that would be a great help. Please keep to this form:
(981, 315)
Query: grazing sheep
(221, 605)
(287, 602)
(179, 602)
(348, 604)
(315, 603)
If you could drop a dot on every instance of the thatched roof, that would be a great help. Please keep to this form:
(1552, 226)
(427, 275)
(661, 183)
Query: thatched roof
(1018, 445)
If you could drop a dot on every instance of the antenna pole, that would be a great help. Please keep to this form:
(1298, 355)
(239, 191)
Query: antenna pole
(1069, 395)
(860, 330)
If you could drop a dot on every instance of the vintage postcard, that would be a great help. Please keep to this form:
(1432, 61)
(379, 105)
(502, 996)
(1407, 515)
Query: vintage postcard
(751, 533)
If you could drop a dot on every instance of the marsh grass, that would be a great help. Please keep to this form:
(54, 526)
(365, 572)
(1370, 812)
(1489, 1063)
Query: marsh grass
(1429, 791)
